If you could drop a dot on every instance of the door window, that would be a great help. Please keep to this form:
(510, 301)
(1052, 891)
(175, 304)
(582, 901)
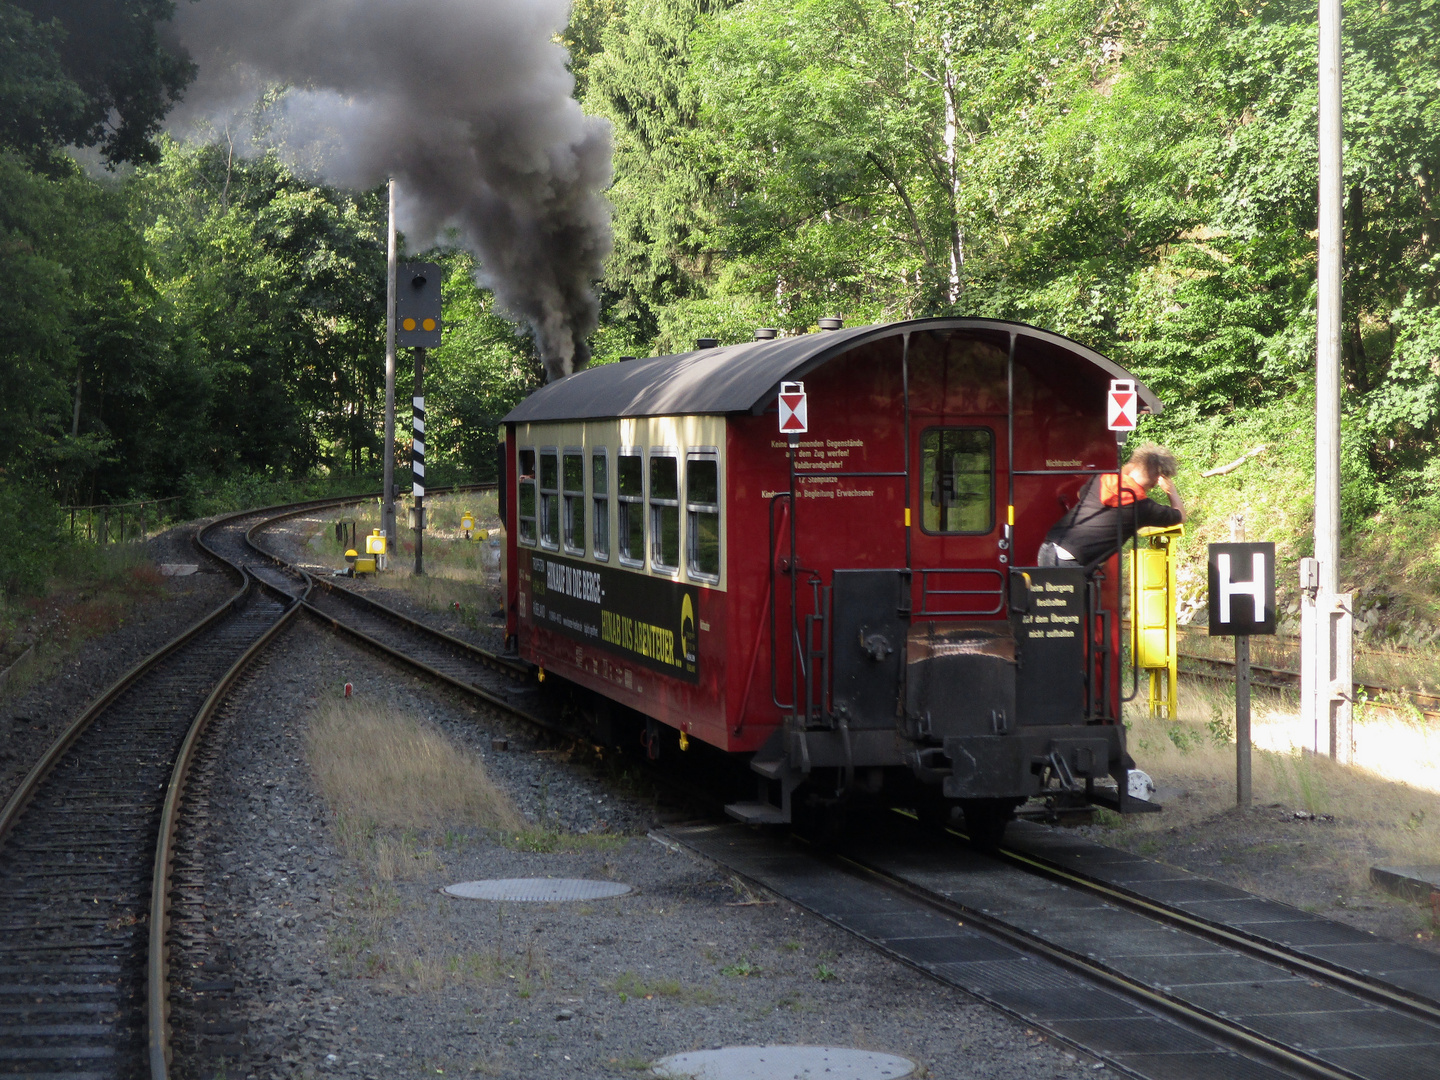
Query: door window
(573, 478)
(549, 498)
(957, 475)
(702, 517)
(631, 506)
(526, 496)
(600, 496)
(664, 512)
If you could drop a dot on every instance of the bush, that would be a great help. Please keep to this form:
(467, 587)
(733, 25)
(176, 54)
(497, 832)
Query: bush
(33, 540)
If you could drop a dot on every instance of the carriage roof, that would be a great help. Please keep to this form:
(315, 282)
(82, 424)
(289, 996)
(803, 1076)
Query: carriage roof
(745, 378)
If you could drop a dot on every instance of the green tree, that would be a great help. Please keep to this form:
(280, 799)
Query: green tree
(640, 81)
(123, 77)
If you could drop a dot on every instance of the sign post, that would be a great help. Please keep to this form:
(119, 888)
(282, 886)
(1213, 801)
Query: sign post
(794, 409)
(1242, 603)
(417, 310)
(1122, 407)
(387, 514)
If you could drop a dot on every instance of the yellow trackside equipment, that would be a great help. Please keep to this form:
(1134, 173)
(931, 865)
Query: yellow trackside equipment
(1152, 614)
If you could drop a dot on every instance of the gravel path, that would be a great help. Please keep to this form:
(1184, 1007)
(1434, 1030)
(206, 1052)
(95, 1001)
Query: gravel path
(31, 719)
(300, 961)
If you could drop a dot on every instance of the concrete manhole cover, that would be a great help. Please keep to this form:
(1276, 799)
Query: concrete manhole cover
(784, 1063)
(538, 890)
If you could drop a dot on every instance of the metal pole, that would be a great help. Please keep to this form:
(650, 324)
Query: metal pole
(1330, 690)
(417, 461)
(1242, 721)
(387, 516)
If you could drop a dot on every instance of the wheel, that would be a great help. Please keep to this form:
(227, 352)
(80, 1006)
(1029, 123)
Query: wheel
(985, 820)
(933, 811)
(825, 824)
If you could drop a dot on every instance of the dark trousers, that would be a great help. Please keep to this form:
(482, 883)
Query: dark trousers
(1048, 557)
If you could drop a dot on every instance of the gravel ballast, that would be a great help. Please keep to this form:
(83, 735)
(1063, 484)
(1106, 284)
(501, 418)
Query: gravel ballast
(296, 959)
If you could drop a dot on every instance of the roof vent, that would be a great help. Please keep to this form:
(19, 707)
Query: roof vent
(831, 323)
(624, 358)
(707, 343)
(766, 333)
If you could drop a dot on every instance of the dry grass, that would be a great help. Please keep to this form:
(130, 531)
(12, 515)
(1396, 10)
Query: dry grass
(395, 771)
(392, 780)
(387, 940)
(1386, 807)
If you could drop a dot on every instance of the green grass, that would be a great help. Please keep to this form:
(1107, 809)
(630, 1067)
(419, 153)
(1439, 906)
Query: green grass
(628, 985)
(548, 841)
(742, 968)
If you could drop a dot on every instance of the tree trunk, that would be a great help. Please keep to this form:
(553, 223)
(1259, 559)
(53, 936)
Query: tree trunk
(952, 174)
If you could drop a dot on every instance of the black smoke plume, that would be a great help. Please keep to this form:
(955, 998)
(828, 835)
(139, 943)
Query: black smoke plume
(467, 103)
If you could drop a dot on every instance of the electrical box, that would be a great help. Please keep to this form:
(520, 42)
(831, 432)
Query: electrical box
(375, 543)
(1153, 641)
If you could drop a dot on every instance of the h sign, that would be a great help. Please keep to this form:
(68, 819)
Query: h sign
(1242, 589)
(1122, 405)
(794, 413)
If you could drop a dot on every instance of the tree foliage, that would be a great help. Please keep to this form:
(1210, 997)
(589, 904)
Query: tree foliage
(1141, 176)
(105, 76)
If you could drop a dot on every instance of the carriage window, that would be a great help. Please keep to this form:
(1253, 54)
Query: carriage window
(526, 496)
(600, 496)
(664, 512)
(549, 498)
(573, 478)
(957, 469)
(702, 520)
(631, 496)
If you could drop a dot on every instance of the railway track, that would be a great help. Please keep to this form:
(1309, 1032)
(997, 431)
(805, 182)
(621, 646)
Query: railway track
(87, 839)
(1142, 985)
(84, 843)
(1061, 935)
(1219, 669)
(500, 680)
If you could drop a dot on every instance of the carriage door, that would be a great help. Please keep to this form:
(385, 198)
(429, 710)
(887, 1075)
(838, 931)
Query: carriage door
(958, 556)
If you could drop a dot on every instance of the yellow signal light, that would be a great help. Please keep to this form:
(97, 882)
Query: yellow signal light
(408, 324)
(429, 324)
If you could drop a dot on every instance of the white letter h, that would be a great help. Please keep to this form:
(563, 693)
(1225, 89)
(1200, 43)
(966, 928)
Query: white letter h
(1252, 588)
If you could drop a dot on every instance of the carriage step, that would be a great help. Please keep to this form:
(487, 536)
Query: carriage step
(757, 813)
(773, 769)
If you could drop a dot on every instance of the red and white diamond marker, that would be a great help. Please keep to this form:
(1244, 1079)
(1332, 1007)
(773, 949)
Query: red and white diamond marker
(794, 414)
(1122, 405)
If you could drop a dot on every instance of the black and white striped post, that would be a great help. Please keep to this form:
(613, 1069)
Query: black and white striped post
(417, 461)
(417, 311)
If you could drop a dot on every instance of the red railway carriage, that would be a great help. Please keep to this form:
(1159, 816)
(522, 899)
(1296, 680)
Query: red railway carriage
(855, 607)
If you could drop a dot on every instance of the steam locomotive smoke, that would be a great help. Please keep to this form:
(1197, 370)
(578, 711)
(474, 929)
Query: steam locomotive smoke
(467, 103)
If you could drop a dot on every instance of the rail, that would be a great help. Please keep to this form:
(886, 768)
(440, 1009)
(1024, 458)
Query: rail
(1222, 670)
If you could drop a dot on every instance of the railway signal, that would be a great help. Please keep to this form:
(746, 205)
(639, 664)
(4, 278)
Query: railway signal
(1242, 603)
(1122, 405)
(417, 305)
(794, 409)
